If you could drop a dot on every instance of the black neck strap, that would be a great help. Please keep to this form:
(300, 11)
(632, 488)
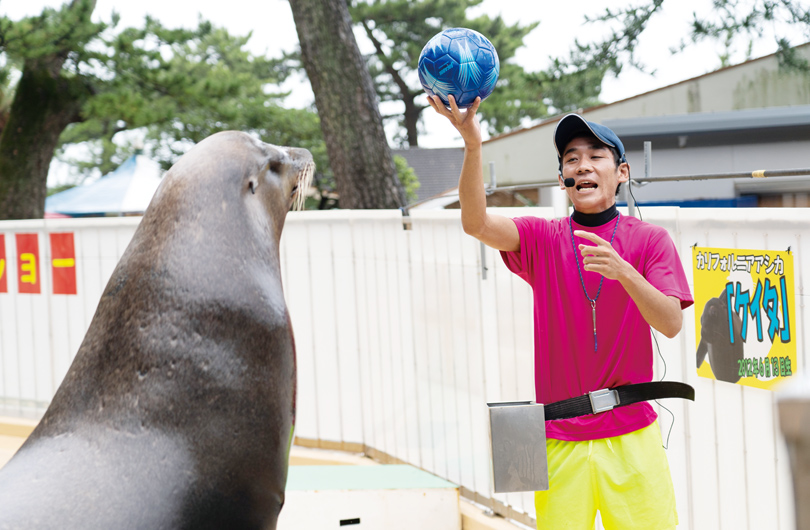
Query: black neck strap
(595, 219)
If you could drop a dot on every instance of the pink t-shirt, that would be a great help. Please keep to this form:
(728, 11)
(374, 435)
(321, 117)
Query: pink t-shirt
(565, 364)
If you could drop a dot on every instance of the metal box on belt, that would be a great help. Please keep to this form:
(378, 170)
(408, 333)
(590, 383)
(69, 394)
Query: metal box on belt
(517, 433)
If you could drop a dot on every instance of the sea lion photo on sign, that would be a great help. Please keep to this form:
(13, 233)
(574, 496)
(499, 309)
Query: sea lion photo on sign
(178, 409)
(715, 340)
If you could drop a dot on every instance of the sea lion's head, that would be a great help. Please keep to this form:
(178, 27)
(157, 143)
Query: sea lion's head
(239, 172)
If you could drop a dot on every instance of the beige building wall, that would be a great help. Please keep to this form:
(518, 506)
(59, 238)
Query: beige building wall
(528, 156)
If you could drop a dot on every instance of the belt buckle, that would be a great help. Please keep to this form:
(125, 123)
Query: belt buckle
(603, 400)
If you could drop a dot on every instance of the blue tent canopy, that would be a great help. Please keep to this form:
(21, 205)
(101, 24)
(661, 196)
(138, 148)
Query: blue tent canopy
(125, 191)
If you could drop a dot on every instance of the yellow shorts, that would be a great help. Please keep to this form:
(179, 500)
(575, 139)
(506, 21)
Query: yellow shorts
(625, 477)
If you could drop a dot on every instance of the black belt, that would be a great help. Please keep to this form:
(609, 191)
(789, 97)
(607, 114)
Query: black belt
(609, 398)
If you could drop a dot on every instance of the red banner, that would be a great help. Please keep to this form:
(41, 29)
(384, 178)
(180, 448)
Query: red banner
(3, 274)
(63, 263)
(28, 263)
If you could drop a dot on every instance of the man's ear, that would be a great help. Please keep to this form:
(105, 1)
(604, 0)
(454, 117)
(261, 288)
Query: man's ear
(624, 172)
(560, 179)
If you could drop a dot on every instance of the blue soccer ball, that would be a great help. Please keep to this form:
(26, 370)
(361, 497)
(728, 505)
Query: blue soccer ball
(461, 62)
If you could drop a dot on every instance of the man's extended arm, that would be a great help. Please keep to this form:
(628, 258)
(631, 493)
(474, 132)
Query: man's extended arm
(496, 231)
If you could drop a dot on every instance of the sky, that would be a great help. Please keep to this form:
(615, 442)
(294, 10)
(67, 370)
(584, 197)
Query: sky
(273, 31)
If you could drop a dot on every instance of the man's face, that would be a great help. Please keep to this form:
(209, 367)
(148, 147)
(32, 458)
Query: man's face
(590, 163)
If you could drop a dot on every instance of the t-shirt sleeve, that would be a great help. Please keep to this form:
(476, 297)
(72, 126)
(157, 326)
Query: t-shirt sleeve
(664, 270)
(522, 262)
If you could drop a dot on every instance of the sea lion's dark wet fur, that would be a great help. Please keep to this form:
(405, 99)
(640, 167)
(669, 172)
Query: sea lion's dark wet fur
(178, 409)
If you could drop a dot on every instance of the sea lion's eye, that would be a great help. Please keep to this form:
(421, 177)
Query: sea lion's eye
(275, 166)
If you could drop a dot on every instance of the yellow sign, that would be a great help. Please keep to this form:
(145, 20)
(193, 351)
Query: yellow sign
(745, 323)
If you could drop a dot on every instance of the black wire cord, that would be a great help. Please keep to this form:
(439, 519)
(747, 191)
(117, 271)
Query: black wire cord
(630, 188)
(671, 425)
(657, 347)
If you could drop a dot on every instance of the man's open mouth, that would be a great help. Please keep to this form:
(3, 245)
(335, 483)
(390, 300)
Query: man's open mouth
(586, 184)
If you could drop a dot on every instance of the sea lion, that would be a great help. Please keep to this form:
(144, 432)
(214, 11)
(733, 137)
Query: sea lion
(715, 341)
(178, 409)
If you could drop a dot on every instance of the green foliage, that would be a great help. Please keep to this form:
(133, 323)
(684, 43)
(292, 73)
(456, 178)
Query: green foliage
(789, 59)
(6, 93)
(517, 96)
(43, 41)
(59, 189)
(326, 198)
(399, 29)
(184, 85)
(567, 87)
(50, 33)
(730, 22)
(407, 176)
(619, 47)
(174, 86)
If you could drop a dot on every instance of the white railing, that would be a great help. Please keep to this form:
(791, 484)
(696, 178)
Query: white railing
(404, 335)
(40, 333)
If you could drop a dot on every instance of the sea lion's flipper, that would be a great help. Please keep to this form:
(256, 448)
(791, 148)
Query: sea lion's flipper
(702, 350)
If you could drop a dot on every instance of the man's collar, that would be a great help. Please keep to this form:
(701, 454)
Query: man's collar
(594, 219)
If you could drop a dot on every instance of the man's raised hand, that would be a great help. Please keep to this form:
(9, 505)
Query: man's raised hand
(465, 122)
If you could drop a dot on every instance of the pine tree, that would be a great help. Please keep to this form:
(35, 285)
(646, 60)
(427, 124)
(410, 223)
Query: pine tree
(85, 82)
(731, 23)
(48, 97)
(359, 155)
(398, 29)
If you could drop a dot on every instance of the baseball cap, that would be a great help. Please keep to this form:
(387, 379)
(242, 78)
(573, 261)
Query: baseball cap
(573, 124)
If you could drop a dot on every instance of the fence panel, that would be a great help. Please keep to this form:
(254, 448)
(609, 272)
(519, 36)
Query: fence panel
(749, 453)
(403, 336)
(40, 332)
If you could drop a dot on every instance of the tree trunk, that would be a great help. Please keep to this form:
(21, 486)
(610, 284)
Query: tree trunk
(358, 150)
(44, 105)
(412, 113)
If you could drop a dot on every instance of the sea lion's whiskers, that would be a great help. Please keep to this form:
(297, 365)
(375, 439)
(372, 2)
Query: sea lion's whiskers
(304, 182)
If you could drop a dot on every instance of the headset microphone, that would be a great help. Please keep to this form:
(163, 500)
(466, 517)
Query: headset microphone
(569, 182)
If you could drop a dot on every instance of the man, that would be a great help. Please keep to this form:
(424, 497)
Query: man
(600, 280)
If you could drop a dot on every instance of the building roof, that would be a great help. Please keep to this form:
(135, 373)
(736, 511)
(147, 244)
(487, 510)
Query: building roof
(685, 82)
(772, 124)
(528, 156)
(437, 169)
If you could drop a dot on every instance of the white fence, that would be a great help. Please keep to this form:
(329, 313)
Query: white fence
(404, 335)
